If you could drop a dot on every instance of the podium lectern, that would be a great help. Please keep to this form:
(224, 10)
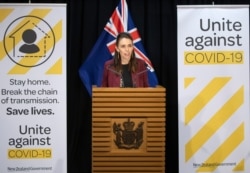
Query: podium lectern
(128, 130)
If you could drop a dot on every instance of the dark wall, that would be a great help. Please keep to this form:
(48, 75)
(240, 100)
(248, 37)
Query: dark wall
(156, 21)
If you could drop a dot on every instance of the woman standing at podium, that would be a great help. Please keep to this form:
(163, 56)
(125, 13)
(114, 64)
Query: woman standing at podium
(125, 70)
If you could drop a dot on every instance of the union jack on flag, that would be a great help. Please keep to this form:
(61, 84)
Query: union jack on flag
(91, 70)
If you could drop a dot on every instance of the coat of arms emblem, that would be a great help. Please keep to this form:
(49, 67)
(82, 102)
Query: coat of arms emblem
(127, 137)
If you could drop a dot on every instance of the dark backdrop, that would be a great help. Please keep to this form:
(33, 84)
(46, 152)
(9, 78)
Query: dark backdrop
(156, 21)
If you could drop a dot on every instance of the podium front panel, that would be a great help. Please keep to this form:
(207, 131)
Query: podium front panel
(128, 130)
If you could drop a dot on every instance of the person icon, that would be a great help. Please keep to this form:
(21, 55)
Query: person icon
(29, 37)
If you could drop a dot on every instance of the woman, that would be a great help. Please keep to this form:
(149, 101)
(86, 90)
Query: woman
(125, 70)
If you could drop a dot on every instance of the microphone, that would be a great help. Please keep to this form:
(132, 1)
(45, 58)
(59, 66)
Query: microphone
(139, 73)
(110, 69)
(143, 71)
(121, 77)
(119, 74)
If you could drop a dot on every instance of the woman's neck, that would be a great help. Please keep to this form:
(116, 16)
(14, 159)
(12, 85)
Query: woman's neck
(124, 62)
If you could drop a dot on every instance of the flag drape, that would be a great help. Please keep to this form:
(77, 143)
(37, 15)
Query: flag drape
(91, 70)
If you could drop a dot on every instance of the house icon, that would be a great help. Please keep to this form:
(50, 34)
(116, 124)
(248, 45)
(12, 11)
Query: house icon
(29, 41)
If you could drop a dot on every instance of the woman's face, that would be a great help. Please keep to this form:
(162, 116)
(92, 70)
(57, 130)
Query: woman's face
(125, 48)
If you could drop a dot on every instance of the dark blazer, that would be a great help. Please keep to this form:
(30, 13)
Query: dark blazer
(111, 78)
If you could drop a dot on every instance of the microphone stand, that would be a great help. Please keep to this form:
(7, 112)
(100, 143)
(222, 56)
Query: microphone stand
(138, 74)
(121, 82)
(121, 78)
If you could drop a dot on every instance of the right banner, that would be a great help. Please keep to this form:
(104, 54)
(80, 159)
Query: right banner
(213, 88)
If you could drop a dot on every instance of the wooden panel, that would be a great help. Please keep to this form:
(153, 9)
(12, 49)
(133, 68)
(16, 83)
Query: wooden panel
(125, 99)
(116, 106)
(125, 114)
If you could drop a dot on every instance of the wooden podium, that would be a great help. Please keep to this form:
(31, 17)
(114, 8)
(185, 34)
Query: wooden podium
(128, 130)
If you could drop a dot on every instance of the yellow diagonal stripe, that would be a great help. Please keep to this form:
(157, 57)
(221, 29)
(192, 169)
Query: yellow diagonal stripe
(204, 97)
(2, 51)
(216, 122)
(32, 61)
(56, 68)
(4, 13)
(240, 166)
(224, 150)
(188, 81)
(36, 12)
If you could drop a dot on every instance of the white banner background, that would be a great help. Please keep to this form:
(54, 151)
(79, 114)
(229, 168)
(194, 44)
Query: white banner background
(213, 89)
(33, 88)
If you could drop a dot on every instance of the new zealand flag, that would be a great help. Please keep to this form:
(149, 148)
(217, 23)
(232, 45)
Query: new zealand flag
(91, 70)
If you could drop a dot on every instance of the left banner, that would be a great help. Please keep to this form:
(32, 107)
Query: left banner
(33, 88)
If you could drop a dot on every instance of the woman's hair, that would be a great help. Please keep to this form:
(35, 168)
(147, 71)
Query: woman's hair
(117, 58)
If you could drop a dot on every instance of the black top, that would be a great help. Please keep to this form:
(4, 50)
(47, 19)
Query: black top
(126, 76)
